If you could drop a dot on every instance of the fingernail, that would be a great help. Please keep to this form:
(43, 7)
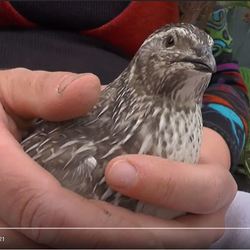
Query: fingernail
(67, 80)
(122, 175)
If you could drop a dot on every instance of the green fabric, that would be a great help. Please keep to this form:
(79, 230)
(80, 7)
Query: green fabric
(217, 28)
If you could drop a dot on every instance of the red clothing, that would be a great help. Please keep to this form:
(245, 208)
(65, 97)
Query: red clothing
(126, 31)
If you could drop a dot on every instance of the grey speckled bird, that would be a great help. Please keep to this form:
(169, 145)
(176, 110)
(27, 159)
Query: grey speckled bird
(153, 107)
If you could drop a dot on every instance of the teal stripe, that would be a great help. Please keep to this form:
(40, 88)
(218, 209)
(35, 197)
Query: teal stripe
(231, 115)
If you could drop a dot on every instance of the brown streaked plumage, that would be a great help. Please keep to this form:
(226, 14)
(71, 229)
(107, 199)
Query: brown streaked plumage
(153, 108)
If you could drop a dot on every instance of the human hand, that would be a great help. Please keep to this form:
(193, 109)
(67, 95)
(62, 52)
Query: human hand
(205, 190)
(33, 198)
(25, 95)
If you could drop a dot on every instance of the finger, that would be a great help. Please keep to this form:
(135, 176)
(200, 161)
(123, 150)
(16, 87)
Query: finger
(113, 227)
(194, 188)
(49, 95)
(109, 227)
(33, 198)
(189, 231)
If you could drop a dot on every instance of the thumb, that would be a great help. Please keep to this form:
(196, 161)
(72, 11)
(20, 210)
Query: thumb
(52, 96)
(200, 188)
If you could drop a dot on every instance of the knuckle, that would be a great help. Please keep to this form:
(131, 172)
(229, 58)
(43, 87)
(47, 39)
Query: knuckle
(55, 81)
(31, 204)
(35, 211)
(45, 86)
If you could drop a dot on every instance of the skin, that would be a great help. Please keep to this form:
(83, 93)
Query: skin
(31, 197)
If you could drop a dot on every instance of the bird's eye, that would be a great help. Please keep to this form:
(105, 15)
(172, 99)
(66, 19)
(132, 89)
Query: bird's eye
(169, 41)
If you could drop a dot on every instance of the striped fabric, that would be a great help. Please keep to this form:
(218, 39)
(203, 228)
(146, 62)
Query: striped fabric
(226, 108)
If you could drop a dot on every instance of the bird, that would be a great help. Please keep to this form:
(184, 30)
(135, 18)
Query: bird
(153, 107)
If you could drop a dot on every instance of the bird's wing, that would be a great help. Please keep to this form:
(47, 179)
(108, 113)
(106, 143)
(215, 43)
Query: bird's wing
(77, 151)
(50, 137)
(73, 151)
(67, 152)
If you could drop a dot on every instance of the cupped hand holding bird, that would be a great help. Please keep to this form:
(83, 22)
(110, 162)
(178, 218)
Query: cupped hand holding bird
(31, 197)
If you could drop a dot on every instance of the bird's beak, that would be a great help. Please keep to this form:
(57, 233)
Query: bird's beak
(205, 63)
(210, 62)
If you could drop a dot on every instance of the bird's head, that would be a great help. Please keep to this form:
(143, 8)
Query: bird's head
(176, 62)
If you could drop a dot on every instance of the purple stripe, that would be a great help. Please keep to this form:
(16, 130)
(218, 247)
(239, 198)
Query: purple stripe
(226, 66)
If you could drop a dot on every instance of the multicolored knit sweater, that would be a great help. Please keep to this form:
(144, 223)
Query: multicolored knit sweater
(124, 25)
